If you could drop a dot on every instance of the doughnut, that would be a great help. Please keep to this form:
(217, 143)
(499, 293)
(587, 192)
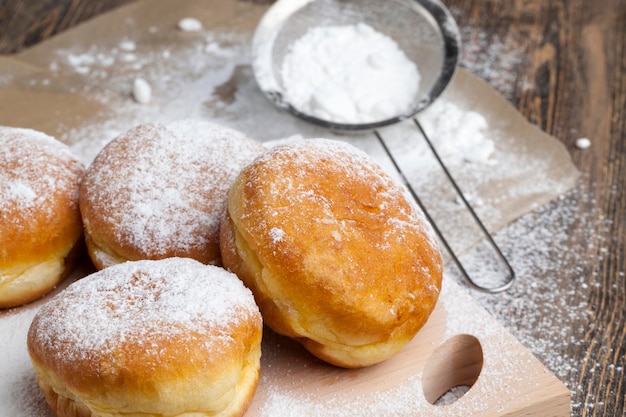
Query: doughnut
(335, 252)
(172, 337)
(40, 223)
(159, 191)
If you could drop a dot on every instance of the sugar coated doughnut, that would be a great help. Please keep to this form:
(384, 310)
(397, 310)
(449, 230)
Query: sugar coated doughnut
(172, 337)
(159, 191)
(40, 224)
(337, 255)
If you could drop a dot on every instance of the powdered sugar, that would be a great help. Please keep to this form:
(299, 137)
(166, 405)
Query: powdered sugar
(34, 167)
(336, 73)
(141, 302)
(189, 24)
(473, 143)
(346, 164)
(142, 91)
(277, 234)
(19, 394)
(582, 143)
(182, 77)
(556, 323)
(162, 188)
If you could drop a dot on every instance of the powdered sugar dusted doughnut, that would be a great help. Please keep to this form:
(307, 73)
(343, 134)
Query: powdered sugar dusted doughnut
(171, 337)
(336, 254)
(40, 223)
(159, 191)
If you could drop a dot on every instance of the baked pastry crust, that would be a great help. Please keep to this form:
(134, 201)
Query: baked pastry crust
(149, 338)
(159, 191)
(40, 223)
(335, 252)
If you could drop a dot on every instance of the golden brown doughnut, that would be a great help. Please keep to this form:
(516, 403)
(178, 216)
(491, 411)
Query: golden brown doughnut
(172, 337)
(159, 191)
(40, 225)
(336, 254)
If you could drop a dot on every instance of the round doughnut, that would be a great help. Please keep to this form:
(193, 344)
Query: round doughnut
(159, 191)
(336, 254)
(171, 337)
(40, 224)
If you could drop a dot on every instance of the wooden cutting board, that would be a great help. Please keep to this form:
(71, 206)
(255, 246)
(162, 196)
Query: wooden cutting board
(461, 345)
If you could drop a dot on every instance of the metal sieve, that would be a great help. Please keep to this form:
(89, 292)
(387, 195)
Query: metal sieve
(423, 29)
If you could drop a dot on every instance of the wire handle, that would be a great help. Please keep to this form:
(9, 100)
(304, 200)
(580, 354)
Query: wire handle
(511, 273)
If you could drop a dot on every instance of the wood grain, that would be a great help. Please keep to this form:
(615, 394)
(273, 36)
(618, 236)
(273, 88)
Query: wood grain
(573, 84)
(562, 63)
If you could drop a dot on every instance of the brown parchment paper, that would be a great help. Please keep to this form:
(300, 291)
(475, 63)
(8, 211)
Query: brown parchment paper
(77, 87)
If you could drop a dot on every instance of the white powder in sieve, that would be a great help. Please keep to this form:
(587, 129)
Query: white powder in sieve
(349, 74)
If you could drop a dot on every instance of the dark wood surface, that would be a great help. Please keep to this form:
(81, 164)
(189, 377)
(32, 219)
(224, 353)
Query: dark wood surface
(562, 64)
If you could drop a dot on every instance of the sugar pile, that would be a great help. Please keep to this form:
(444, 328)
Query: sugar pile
(475, 145)
(336, 73)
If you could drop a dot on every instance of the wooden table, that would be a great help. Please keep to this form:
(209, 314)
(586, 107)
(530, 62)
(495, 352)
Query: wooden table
(562, 64)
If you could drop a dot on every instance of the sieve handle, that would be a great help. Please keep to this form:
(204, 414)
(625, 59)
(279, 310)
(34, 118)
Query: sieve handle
(510, 279)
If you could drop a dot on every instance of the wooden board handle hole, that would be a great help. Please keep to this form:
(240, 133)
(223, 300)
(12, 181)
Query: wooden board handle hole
(456, 363)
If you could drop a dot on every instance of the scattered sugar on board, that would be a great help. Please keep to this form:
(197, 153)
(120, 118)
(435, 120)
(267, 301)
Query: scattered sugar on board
(538, 246)
(182, 80)
(405, 397)
(127, 45)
